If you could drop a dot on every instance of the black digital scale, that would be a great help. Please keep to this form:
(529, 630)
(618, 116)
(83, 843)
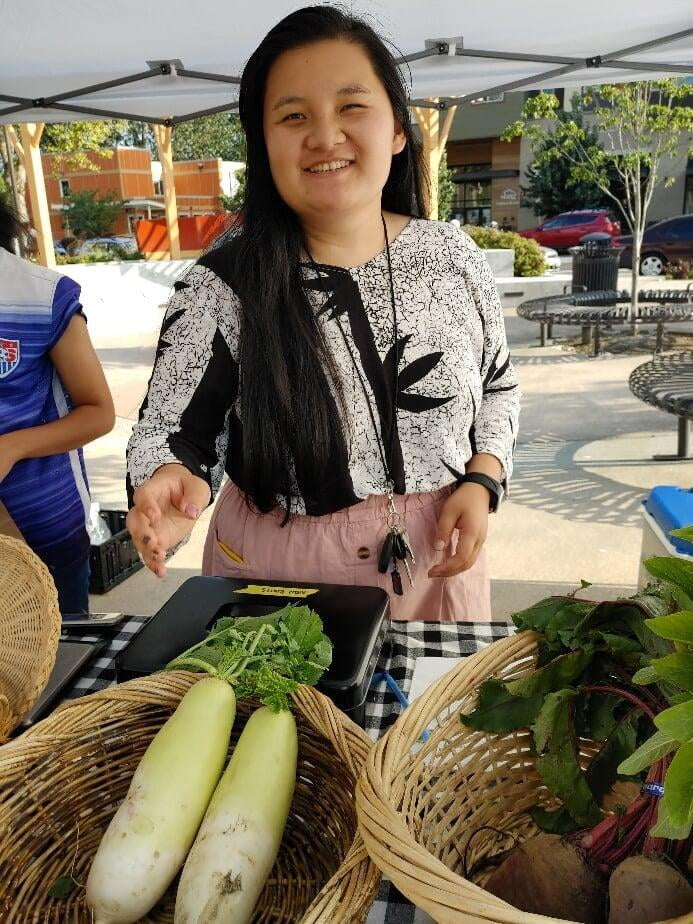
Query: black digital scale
(354, 619)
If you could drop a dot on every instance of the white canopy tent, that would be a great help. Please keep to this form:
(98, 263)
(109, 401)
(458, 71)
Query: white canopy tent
(82, 60)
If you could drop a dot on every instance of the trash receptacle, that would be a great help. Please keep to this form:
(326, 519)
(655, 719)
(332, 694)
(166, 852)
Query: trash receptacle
(595, 263)
(664, 509)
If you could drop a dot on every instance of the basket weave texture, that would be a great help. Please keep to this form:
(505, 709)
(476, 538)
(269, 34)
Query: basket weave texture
(62, 781)
(420, 803)
(29, 630)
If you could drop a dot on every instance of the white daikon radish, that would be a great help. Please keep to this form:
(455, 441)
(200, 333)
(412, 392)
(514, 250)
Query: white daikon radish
(150, 835)
(239, 839)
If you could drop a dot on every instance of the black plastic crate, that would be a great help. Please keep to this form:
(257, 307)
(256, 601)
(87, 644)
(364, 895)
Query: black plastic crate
(116, 558)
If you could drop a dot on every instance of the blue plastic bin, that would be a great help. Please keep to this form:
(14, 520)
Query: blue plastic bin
(672, 508)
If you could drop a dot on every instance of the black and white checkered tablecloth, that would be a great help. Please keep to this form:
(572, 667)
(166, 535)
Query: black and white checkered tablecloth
(405, 642)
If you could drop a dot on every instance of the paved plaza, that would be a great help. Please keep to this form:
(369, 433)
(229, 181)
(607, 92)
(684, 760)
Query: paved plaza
(583, 462)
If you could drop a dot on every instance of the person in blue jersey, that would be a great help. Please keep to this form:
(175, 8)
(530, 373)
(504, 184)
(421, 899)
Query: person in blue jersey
(53, 400)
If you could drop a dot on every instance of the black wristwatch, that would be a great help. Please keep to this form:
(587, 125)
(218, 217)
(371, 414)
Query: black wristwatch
(494, 488)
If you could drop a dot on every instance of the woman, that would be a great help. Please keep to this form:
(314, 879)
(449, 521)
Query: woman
(343, 360)
(53, 400)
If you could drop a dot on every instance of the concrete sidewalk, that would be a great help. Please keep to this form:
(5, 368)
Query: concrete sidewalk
(583, 464)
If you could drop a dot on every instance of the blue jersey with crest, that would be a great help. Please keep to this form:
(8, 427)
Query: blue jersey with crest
(48, 497)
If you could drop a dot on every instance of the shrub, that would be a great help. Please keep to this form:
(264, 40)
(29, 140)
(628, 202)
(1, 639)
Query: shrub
(98, 255)
(679, 269)
(529, 259)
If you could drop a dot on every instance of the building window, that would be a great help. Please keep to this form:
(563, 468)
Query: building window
(491, 98)
(158, 187)
(472, 199)
(688, 195)
(64, 188)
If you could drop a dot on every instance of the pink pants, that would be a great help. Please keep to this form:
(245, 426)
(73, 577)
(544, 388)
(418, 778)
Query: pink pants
(342, 548)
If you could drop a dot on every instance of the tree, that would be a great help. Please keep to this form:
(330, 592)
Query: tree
(72, 142)
(641, 127)
(446, 189)
(551, 186)
(90, 216)
(135, 135)
(218, 135)
(234, 202)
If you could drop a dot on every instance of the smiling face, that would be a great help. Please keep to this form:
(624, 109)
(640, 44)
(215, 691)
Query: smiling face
(329, 129)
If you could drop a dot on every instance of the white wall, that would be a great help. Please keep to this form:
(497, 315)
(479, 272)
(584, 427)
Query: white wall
(124, 302)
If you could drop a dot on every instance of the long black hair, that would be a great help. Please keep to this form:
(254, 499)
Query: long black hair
(290, 417)
(10, 227)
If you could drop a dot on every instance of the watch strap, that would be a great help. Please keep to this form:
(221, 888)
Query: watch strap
(494, 488)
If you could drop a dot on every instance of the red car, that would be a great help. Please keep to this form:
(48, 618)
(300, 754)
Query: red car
(565, 230)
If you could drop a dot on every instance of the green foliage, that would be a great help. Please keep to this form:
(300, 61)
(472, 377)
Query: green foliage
(639, 127)
(499, 711)
(89, 215)
(551, 186)
(686, 532)
(666, 827)
(572, 694)
(235, 202)
(98, 255)
(529, 260)
(72, 142)
(218, 135)
(446, 189)
(675, 724)
(674, 571)
(678, 786)
(634, 126)
(135, 135)
(650, 751)
(557, 762)
(676, 668)
(263, 657)
(677, 721)
(62, 888)
(678, 627)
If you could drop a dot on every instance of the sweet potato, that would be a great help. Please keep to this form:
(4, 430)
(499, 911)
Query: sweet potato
(642, 891)
(547, 875)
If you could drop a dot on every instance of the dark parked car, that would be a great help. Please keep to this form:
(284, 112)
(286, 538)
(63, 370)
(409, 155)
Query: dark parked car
(565, 230)
(665, 242)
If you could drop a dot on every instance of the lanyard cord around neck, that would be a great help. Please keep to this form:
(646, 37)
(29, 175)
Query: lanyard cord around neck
(380, 437)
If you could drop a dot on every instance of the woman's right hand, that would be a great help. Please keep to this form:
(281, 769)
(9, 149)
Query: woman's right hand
(164, 512)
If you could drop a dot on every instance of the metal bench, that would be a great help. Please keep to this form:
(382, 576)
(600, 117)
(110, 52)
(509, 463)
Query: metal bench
(666, 382)
(590, 310)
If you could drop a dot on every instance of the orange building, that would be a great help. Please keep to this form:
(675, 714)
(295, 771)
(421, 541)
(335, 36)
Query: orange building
(134, 179)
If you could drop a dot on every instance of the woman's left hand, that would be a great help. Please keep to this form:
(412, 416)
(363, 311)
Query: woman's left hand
(466, 510)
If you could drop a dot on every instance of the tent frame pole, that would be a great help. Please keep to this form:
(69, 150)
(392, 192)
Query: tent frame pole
(438, 47)
(31, 138)
(163, 136)
(435, 139)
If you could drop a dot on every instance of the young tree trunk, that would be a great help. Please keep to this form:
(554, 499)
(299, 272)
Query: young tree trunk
(634, 278)
(638, 231)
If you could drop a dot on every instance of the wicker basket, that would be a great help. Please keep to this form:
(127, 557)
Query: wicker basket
(61, 782)
(29, 630)
(418, 804)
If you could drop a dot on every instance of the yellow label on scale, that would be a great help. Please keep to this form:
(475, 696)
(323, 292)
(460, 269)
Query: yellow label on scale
(264, 590)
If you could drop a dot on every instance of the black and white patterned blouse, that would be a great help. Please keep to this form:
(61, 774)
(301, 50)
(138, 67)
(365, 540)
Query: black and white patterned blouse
(458, 393)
